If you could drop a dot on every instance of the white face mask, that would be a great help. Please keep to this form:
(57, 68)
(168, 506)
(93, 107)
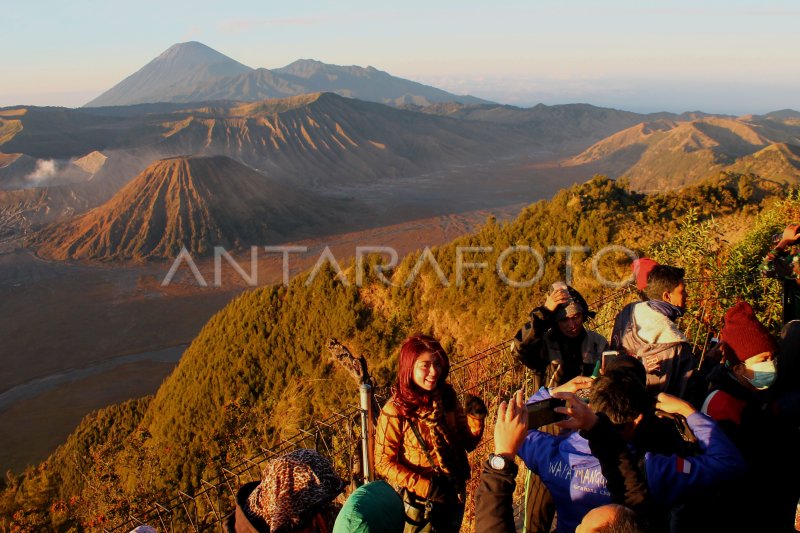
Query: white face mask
(764, 374)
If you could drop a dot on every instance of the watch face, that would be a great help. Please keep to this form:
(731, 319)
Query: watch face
(497, 462)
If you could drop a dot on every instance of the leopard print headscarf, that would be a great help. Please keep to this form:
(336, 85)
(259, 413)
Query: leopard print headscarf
(293, 489)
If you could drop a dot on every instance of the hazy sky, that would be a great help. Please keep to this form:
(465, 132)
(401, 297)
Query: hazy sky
(726, 56)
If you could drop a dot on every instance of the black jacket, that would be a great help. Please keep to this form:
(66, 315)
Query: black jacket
(494, 506)
(553, 358)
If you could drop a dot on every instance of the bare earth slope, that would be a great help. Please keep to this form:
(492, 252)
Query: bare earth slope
(192, 202)
(328, 139)
(312, 140)
(667, 154)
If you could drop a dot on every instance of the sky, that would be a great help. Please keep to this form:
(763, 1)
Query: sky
(731, 56)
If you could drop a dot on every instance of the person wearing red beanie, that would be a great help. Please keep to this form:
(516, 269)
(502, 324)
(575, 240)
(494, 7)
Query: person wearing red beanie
(744, 337)
(742, 402)
(748, 352)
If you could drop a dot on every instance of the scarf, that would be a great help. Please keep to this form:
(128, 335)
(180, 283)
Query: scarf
(447, 450)
(665, 308)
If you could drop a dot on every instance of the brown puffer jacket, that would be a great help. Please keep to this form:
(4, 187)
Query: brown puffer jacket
(399, 457)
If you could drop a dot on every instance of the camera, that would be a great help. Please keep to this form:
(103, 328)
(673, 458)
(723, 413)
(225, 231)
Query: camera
(542, 412)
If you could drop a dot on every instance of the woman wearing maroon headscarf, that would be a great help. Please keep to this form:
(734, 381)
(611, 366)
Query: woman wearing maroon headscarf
(423, 437)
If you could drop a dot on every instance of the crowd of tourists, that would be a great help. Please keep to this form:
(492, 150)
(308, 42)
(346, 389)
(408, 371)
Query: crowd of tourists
(630, 434)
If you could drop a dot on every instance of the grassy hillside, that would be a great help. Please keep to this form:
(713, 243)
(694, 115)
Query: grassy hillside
(258, 370)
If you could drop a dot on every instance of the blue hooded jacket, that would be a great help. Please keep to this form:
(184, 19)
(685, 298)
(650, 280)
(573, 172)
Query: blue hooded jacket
(575, 480)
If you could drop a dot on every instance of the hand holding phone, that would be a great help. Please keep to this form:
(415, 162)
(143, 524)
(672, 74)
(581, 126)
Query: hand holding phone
(574, 385)
(543, 412)
(580, 417)
(558, 295)
(606, 358)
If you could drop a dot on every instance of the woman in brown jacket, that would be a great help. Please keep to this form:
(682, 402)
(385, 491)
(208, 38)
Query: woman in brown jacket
(423, 437)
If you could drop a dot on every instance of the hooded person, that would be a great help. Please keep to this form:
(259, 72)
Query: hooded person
(647, 330)
(788, 359)
(786, 389)
(295, 495)
(557, 347)
(787, 392)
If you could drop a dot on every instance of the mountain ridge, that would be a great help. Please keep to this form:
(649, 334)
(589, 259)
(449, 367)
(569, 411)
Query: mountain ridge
(194, 72)
(668, 153)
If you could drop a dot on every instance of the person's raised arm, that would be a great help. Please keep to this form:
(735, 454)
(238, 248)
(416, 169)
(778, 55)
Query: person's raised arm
(494, 498)
(527, 344)
(718, 462)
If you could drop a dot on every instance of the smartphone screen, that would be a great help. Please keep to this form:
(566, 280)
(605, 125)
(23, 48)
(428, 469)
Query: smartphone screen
(541, 413)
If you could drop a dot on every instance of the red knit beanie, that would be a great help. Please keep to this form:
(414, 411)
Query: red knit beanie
(641, 268)
(744, 334)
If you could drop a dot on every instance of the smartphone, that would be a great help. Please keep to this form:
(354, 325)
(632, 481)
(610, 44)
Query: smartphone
(541, 413)
(607, 357)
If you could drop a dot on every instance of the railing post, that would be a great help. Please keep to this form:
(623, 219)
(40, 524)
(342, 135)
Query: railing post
(367, 433)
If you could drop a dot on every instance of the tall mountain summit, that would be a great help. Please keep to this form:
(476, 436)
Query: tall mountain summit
(193, 72)
(167, 77)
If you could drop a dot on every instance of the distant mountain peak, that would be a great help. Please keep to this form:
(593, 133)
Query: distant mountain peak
(194, 72)
(188, 45)
(193, 52)
(783, 114)
(671, 153)
(179, 69)
(307, 68)
(302, 62)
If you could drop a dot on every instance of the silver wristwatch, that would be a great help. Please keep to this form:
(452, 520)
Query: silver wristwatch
(498, 462)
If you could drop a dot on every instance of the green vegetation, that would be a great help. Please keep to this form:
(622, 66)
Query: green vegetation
(258, 370)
